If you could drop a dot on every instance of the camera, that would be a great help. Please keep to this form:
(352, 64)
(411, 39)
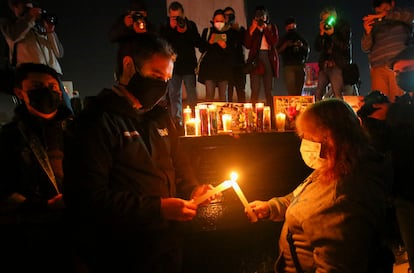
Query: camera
(329, 22)
(260, 17)
(231, 18)
(140, 19)
(297, 45)
(48, 17)
(180, 21)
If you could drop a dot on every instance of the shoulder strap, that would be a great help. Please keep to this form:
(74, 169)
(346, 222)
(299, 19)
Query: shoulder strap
(40, 154)
(292, 247)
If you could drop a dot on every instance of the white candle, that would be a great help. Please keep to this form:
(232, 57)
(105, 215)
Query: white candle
(223, 186)
(226, 122)
(244, 201)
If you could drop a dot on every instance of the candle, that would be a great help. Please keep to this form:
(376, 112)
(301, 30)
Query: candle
(223, 186)
(212, 113)
(226, 122)
(202, 114)
(190, 127)
(280, 121)
(248, 116)
(267, 125)
(187, 114)
(242, 198)
(259, 116)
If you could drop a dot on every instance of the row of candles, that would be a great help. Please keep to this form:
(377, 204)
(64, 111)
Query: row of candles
(206, 121)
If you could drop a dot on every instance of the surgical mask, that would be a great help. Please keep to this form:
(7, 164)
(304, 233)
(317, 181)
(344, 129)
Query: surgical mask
(44, 100)
(310, 152)
(219, 25)
(405, 80)
(147, 90)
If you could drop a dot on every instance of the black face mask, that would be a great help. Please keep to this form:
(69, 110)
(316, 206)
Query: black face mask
(44, 100)
(405, 80)
(147, 90)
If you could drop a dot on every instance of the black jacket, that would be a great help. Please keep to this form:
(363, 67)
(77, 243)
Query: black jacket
(118, 165)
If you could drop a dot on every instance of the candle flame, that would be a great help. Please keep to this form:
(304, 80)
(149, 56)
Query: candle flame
(234, 176)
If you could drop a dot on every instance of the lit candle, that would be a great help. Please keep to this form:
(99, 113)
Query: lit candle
(248, 116)
(212, 112)
(267, 125)
(226, 122)
(280, 121)
(259, 116)
(242, 198)
(187, 114)
(223, 186)
(191, 127)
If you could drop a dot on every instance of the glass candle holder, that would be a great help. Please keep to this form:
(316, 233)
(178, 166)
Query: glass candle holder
(226, 122)
(259, 116)
(212, 113)
(267, 124)
(248, 117)
(280, 121)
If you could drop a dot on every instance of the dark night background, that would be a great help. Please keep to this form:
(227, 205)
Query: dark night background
(90, 57)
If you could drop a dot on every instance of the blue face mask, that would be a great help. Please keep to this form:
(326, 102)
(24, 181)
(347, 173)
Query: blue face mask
(148, 91)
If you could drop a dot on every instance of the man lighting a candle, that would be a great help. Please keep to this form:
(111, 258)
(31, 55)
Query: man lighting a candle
(128, 185)
(332, 221)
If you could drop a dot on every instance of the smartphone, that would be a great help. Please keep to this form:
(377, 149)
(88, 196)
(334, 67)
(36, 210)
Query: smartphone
(218, 37)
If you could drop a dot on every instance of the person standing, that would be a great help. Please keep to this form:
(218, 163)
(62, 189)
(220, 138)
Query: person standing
(238, 79)
(31, 154)
(386, 33)
(334, 44)
(294, 50)
(261, 40)
(333, 221)
(134, 21)
(128, 185)
(215, 68)
(31, 38)
(183, 35)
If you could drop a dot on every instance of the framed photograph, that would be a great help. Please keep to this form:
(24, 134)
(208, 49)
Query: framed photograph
(290, 107)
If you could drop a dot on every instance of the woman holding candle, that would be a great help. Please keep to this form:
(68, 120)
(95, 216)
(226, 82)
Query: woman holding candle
(332, 221)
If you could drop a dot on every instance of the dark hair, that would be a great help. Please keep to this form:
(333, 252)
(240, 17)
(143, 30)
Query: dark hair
(141, 47)
(24, 69)
(229, 9)
(217, 12)
(138, 5)
(290, 20)
(377, 3)
(176, 6)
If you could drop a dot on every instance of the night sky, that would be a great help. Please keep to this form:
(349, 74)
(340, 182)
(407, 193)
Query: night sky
(90, 57)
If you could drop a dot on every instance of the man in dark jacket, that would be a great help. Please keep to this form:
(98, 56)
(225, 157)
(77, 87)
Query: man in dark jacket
(128, 185)
(183, 35)
(31, 153)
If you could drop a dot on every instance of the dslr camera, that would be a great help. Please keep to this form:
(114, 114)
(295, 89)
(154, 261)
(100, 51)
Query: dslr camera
(261, 18)
(140, 19)
(180, 21)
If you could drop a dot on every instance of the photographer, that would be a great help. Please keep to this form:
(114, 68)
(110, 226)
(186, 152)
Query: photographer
(31, 37)
(184, 37)
(134, 21)
(334, 44)
(294, 50)
(261, 40)
(386, 33)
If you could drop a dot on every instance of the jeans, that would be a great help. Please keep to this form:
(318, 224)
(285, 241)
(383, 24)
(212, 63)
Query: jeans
(294, 77)
(383, 79)
(332, 75)
(404, 210)
(175, 94)
(267, 78)
(211, 90)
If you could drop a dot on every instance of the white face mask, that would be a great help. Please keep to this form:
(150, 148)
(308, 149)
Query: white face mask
(219, 25)
(310, 152)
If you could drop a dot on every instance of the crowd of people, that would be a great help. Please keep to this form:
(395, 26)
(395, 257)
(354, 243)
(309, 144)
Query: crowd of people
(107, 188)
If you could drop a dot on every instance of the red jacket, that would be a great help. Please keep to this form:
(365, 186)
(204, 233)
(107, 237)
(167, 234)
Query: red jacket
(252, 42)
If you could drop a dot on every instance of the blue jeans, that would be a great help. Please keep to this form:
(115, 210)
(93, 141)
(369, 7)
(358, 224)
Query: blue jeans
(332, 75)
(176, 95)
